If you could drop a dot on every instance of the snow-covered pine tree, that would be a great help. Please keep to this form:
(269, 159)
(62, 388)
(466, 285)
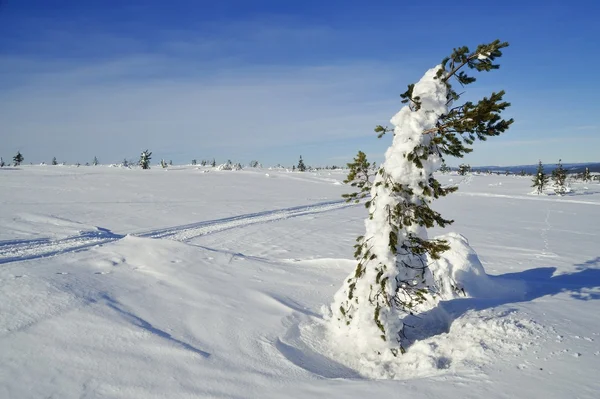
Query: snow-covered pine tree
(360, 175)
(1, 162)
(444, 168)
(194, 162)
(163, 164)
(559, 178)
(213, 163)
(301, 167)
(54, 162)
(145, 158)
(586, 175)
(95, 162)
(392, 279)
(17, 159)
(463, 169)
(125, 163)
(540, 179)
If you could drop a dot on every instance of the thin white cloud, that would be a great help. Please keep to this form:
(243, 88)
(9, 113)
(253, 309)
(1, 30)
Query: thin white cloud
(120, 106)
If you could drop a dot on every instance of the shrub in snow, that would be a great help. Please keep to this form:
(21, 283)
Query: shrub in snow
(559, 178)
(145, 158)
(392, 278)
(444, 168)
(95, 161)
(163, 164)
(540, 179)
(1, 162)
(301, 167)
(463, 169)
(54, 161)
(586, 176)
(17, 159)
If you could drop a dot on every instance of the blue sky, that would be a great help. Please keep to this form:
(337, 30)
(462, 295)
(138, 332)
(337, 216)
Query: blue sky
(272, 80)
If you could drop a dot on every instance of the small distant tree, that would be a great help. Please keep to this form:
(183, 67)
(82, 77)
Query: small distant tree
(54, 162)
(559, 178)
(145, 158)
(125, 163)
(213, 163)
(463, 169)
(540, 179)
(301, 166)
(444, 168)
(359, 176)
(254, 164)
(163, 164)
(95, 162)
(170, 162)
(194, 162)
(587, 176)
(1, 162)
(17, 159)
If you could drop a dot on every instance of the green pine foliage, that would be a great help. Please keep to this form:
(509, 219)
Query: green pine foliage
(145, 158)
(301, 167)
(361, 172)
(559, 178)
(409, 253)
(540, 179)
(17, 159)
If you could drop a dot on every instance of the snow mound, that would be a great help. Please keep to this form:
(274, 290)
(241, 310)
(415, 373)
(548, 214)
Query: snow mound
(224, 166)
(459, 273)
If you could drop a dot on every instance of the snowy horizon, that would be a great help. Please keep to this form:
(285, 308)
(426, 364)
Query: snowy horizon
(271, 81)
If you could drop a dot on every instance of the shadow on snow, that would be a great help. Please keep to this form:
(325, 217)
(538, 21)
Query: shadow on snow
(583, 285)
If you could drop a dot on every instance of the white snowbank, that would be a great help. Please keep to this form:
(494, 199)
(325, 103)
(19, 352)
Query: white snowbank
(459, 273)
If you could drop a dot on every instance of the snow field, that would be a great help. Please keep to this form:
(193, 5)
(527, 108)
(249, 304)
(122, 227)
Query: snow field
(231, 303)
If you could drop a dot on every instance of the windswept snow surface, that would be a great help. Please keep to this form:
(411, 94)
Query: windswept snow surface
(118, 283)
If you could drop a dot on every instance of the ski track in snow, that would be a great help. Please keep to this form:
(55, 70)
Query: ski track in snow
(530, 198)
(19, 250)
